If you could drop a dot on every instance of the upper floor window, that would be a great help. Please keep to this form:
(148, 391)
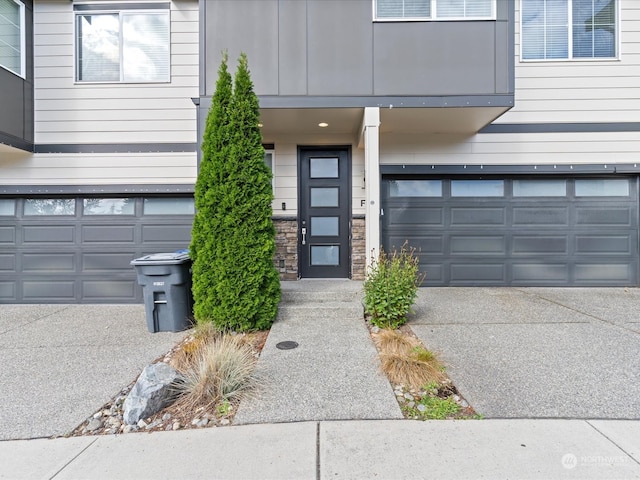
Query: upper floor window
(122, 46)
(434, 9)
(568, 29)
(12, 45)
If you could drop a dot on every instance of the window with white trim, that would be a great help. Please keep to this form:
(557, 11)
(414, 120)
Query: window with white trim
(268, 161)
(391, 10)
(12, 36)
(130, 46)
(568, 29)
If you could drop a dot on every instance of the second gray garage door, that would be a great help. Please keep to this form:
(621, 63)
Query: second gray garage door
(528, 231)
(77, 250)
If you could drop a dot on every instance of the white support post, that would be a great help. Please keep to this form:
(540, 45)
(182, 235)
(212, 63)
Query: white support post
(370, 132)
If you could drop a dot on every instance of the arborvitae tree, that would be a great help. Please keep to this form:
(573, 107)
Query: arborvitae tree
(240, 288)
(211, 175)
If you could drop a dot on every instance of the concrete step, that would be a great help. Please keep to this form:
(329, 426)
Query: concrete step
(326, 310)
(320, 297)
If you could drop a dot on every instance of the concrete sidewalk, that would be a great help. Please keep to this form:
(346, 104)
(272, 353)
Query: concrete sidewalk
(392, 449)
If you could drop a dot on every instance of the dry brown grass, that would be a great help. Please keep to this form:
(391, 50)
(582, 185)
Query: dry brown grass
(405, 361)
(220, 369)
(184, 356)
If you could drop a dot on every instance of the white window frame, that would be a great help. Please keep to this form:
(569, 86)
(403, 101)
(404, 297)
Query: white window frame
(23, 54)
(272, 152)
(570, 57)
(433, 17)
(118, 12)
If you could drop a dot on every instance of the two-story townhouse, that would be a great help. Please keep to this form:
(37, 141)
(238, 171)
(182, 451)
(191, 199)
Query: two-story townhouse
(497, 136)
(103, 167)
(346, 88)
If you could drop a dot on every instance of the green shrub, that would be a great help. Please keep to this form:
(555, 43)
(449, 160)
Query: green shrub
(391, 287)
(235, 283)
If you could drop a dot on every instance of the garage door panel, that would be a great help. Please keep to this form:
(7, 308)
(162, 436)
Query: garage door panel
(601, 273)
(7, 235)
(603, 244)
(54, 289)
(480, 245)
(108, 234)
(48, 262)
(477, 216)
(542, 215)
(483, 274)
(8, 291)
(531, 273)
(595, 217)
(427, 244)
(434, 273)
(107, 262)
(7, 262)
(415, 216)
(540, 244)
(165, 233)
(43, 234)
(106, 290)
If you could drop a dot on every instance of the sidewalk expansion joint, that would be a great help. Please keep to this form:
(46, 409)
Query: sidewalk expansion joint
(73, 459)
(318, 473)
(631, 457)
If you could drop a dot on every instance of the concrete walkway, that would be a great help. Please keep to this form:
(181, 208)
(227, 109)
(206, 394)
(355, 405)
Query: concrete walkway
(333, 374)
(385, 449)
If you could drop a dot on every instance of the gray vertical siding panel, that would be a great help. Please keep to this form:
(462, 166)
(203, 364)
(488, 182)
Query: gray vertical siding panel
(292, 44)
(436, 58)
(334, 48)
(340, 48)
(247, 26)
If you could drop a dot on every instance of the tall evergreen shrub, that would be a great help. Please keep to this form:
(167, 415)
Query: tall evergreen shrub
(235, 283)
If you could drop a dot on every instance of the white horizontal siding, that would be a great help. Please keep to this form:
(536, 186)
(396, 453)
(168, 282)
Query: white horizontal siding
(581, 91)
(66, 112)
(511, 149)
(98, 169)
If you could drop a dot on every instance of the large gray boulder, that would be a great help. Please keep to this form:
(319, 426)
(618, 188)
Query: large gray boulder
(154, 390)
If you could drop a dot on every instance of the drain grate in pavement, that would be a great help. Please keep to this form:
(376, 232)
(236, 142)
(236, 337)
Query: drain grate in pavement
(286, 345)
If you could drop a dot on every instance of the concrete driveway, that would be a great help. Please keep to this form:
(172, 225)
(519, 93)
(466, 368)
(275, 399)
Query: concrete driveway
(60, 363)
(537, 352)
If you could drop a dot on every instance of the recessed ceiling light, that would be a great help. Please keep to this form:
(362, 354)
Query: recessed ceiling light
(323, 124)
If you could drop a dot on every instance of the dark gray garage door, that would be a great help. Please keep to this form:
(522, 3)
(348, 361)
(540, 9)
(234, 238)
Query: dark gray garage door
(77, 250)
(541, 231)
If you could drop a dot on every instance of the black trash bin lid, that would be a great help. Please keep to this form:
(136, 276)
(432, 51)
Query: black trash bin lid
(172, 258)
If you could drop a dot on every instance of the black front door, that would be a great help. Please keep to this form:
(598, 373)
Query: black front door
(324, 225)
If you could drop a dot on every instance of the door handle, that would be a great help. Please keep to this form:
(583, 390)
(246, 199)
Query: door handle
(304, 236)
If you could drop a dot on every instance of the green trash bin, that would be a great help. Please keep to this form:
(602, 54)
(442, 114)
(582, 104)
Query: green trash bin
(166, 288)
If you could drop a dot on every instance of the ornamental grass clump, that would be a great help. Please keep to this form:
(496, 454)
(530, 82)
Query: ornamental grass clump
(391, 287)
(221, 372)
(405, 361)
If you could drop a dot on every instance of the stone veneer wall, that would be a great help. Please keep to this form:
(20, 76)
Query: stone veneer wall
(286, 258)
(358, 249)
